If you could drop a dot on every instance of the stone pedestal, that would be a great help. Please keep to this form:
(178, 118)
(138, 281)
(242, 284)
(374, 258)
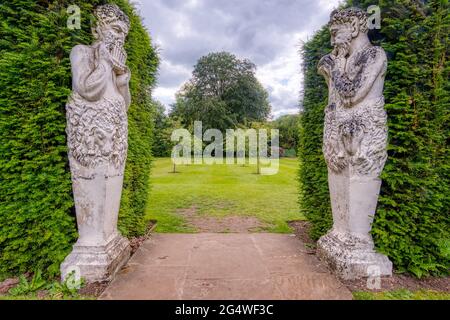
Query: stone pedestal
(97, 263)
(352, 258)
(100, 250)
(348, 247)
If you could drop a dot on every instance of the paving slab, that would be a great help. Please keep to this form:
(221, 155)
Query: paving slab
(224, 267)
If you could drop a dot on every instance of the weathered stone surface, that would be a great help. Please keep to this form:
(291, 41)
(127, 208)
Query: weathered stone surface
(351, 257)
(355, 143)
(97, 263)
(224, 267)
(97, 131)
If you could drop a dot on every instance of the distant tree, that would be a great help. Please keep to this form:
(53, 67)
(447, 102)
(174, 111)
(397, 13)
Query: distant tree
(164, 126)
(161, 145)
(289, 127)
(223, 93)
(261, 126)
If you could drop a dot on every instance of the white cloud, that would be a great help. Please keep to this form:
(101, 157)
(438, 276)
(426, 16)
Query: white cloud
(283, 76)
(267, 32)
(192, 4)
(165, 95)
(329, 5)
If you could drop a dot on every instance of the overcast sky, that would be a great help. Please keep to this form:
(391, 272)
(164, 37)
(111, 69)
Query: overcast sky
(268, 32)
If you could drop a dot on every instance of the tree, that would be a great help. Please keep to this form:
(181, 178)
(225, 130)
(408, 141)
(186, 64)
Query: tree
(223, 93)
(162, 123)
(288, 126)
(260, 126)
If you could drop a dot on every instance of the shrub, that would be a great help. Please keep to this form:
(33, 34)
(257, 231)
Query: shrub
(37, 225)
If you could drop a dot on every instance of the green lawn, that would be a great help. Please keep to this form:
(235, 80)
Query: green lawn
(223, 191)
(402, 295)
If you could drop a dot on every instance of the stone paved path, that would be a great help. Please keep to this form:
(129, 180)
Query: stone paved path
(224, 267)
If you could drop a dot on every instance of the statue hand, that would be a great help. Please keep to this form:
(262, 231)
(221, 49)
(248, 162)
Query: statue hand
(340, 56)
(124, 78)
(327, 61)
(119, 57)
(347, 102)
(103, 54)
(326, 64)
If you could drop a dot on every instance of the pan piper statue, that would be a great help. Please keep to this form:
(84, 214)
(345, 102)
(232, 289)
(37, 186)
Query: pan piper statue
(355, 143)
(97, 133)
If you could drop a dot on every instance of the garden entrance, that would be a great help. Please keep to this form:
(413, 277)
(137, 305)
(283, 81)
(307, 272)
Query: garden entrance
(222, 233)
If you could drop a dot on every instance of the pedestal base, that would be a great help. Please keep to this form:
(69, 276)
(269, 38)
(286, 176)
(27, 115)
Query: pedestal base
(351, 257)
(97, 263)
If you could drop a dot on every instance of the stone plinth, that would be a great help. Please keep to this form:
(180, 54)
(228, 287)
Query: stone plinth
(100, 250)
(352, 257)
(97, 263)
(349, 248)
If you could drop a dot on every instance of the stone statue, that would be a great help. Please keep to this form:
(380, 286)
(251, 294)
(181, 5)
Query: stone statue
(355, 141)
(97, 132)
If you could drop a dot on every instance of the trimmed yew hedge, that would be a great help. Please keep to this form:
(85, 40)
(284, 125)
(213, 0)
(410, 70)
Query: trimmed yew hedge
(412, 224)
(37, 224)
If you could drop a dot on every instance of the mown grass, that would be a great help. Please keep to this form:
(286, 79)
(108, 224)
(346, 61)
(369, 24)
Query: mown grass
(221, 191)
(34, 297)
(402, 295)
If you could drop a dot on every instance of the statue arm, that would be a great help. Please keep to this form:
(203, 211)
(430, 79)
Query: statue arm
(374, 67)
(126, 95)
(354, 90)
(89, 82)
(326, 64)
(124, 88)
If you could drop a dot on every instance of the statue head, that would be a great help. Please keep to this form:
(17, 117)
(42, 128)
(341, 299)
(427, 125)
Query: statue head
(346, 25)
(112, 25)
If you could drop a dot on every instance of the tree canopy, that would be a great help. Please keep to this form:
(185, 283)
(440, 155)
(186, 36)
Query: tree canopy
(288, 126)
(222, 93)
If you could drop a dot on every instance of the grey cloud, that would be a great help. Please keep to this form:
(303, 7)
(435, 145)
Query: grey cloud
(169, 76)
(260, 30)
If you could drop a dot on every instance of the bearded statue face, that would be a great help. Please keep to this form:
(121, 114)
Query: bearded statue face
(341, 36)
(346, 25)
(112, 26)
(112, 34)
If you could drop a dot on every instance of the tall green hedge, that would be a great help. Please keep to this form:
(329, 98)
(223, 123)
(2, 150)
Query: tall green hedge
(143, 62)
(37, 224)
(412, 224)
